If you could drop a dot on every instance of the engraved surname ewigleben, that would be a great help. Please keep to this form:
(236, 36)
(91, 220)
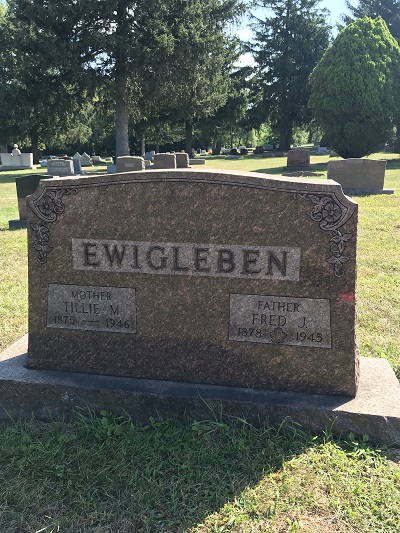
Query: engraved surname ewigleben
(190, 259)
(92, 308)
(280, 320)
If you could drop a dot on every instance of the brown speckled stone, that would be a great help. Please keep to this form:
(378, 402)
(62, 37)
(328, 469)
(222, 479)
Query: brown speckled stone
(129, 164)
(355, 173)
(298, 158)
(238, 279)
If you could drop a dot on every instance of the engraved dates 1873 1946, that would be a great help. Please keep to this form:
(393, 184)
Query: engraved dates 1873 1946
(91, 308)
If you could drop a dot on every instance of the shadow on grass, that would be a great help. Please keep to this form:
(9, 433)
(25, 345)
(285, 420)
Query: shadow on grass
(9, 177)
(166, 476)
(393, 164)
(317, 167)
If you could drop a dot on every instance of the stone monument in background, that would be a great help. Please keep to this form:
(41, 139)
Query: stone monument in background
(299, 159)
(359, 176)
(16, 160)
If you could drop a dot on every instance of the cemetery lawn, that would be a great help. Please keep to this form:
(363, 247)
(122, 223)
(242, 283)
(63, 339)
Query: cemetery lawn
(105, 474)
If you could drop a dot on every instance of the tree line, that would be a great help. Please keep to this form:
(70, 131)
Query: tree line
(108, 74)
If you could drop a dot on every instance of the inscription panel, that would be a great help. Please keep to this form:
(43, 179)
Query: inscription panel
(280, 320)
(190, 259)
(91, 308)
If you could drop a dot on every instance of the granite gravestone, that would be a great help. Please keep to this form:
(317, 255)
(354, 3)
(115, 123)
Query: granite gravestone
(359, 175)
(129, 163)
(25, 186)
(298, 158)
(222, 278)
(196, 161)
(182, 160)
(164, 161)
(76, 160)
(148, 156)
(60, 167)
(16, 160)
(85, 160)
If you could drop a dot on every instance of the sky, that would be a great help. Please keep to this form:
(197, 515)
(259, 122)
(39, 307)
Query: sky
(336, 7)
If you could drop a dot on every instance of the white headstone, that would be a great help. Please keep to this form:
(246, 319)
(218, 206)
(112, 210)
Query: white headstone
(16, 150)
(85, 160)
(60, 167)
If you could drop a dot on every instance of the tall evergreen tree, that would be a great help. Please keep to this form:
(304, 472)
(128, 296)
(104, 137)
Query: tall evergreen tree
(355, 90)
(150, 49)
(195, 79)
(389, 10)
(290, 40)
(105, 40)
(42, 96)
(230, 118)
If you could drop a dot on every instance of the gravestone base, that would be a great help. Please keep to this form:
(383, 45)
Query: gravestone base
(274, 154)
(7, 167)
(48, 395)
(366, 192)
(17, 224)
(298, 169)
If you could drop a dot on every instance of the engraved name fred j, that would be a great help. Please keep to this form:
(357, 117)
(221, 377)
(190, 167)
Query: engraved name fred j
(280, 320)
(190, 259)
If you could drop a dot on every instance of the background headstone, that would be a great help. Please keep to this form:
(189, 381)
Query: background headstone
(85, 160)
(19, 160)
(298, 158)
(359, 175)
(268, 147)
(25, 186)
(164, 161)
(76, 160)
(60, 167)
(148, 156)
(182, 160)
(6, 159)
(129, 163)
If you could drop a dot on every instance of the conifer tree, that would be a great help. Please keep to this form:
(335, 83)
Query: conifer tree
(152, 50)
(355, 91)
(389, 10)
(290, 40)
(41, 89)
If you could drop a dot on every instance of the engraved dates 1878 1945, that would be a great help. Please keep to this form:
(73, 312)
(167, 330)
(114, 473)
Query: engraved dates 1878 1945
(279, 320)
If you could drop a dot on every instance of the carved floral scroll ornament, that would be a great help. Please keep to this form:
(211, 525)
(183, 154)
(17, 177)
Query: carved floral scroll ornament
(48, 206)
(338, 245)
(331, 215)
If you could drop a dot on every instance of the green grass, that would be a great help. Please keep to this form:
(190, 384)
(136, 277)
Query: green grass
(267, 165)
(106, 474)
(103, 473)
